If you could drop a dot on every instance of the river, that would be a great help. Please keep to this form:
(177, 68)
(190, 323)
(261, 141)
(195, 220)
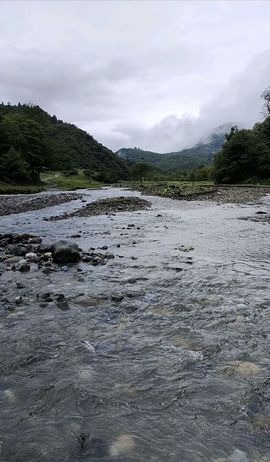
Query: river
(164, 352)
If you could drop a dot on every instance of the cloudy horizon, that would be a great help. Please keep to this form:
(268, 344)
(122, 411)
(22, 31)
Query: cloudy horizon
(154, 74)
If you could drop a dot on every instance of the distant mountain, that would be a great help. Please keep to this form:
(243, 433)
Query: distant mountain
(200, 154)
(67, 145)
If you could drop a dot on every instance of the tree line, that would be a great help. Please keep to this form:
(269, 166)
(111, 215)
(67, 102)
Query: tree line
(245, 155)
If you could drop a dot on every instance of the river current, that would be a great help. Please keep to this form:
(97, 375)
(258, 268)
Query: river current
(164, 352)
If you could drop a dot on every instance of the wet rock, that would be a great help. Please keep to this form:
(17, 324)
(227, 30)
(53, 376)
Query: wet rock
(44, 248)
(261, 424)
(117, 298)
(20, 285)
(35, 240)
(127, 390)
(11, 260)
(18, 300)
(109, 255)
(19, 250)
(63, 305)
(31, 256)
(24, 267)
(129, 309)
(65, 252)
(182, 342)
(242, 368)
(49, 269)
(104, 247)
(184, 248)
(10, 396)
(46, 296)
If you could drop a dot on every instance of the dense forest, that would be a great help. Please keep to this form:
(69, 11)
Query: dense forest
(245, 155)
(31, 140)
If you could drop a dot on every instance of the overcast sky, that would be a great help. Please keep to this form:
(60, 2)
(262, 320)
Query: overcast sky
(154, 74)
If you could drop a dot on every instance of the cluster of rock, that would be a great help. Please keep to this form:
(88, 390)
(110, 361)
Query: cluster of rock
(260, 217)
(19, 252)
(106, 206)
(220, 194)
(20, 204)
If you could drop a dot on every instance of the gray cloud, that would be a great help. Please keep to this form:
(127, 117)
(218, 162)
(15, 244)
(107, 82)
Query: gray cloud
(158, 75)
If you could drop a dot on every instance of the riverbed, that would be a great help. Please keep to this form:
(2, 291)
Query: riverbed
(163, 354)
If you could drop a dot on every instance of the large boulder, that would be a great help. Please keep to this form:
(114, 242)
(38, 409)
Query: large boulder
(65, 252)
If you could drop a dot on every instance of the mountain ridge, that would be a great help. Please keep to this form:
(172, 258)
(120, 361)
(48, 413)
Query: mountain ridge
(198, 155)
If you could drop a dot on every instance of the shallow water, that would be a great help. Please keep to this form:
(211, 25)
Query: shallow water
(178, 370)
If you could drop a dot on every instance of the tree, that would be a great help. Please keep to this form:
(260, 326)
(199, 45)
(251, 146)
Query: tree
(34, 147)
(243, 157)
(139, 170)
(266, 97)
(13, 167)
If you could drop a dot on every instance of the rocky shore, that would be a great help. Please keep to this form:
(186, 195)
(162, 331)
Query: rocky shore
(20, 203)
(106, 206)
(219, 194)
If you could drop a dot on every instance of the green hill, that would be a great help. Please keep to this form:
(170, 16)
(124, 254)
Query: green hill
(187, 159)
(33, 139)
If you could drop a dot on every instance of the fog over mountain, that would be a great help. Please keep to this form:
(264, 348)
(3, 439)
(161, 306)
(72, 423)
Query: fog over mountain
(158, 75)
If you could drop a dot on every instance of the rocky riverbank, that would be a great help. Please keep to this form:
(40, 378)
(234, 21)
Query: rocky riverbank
(106, 206)
(20, 204)
(219, 194)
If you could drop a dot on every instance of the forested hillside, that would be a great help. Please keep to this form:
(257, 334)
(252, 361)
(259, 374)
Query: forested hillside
(187, 159)
(31, 140)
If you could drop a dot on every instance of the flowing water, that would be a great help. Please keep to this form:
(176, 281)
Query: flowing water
(163, 354)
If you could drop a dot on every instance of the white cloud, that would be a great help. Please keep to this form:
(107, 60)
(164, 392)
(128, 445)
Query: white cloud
(151, 74)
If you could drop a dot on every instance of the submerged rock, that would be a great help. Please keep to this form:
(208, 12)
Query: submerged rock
(124, 444)
(242, 368)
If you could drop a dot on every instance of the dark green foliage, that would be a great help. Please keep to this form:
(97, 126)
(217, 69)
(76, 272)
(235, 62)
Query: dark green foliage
(245, 156)
(13, 167)
(43, 141)
(139, 170)
(203, 173)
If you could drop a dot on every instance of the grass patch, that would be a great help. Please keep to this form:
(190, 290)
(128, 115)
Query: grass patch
(79, 181)
(6, 188)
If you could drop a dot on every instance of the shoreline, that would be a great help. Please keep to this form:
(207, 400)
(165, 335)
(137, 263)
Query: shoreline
(15, 204)
(219, 194)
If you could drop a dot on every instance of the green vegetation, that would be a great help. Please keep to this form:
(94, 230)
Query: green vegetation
(19, 189)
(245, 156)
(69, 182)
(31, 140)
